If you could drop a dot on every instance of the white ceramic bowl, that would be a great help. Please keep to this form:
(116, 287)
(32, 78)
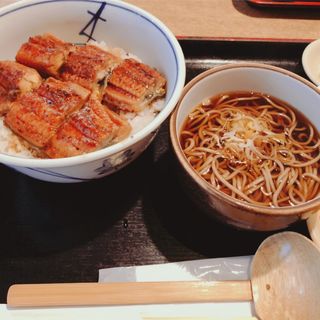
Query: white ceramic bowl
(311, 61)
(277, 82)
(119, 25)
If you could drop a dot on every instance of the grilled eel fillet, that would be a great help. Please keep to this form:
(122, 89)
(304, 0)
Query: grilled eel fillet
(45, 53)
(133, 85)
(35, 116)
(90, 128)
(15, 79)
(56, 119)
(88, 66)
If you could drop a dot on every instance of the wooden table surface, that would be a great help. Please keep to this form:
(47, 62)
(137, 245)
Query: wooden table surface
(231, 19)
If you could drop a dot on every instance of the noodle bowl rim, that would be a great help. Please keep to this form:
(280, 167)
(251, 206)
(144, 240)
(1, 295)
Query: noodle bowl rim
(298, 209)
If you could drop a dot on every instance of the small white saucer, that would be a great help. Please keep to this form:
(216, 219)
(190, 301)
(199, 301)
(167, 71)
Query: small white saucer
(311, 61)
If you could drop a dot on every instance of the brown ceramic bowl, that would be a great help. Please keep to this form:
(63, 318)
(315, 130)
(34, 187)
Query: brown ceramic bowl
(277, 82)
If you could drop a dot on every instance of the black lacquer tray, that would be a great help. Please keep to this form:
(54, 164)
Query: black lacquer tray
(66, 232)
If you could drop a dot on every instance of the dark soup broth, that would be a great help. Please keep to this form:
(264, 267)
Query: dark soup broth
(255, 148)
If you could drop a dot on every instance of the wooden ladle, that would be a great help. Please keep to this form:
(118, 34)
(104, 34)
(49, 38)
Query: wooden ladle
(285, 284)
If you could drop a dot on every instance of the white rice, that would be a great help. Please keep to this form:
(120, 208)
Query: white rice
(139, 120)
(11, 144)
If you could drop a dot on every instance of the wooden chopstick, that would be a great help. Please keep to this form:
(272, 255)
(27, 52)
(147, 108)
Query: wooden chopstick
(126, 293)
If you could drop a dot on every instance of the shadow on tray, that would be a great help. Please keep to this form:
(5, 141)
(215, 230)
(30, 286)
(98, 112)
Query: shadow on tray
(39, 217)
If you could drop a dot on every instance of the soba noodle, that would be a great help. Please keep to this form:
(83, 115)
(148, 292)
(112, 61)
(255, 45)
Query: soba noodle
(255, 148)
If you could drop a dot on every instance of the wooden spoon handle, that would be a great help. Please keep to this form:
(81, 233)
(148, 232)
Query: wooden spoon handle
(126, 293)
(313, 223)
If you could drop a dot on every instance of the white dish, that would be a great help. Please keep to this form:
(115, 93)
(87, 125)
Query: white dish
(119, 25)
(311, 61)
